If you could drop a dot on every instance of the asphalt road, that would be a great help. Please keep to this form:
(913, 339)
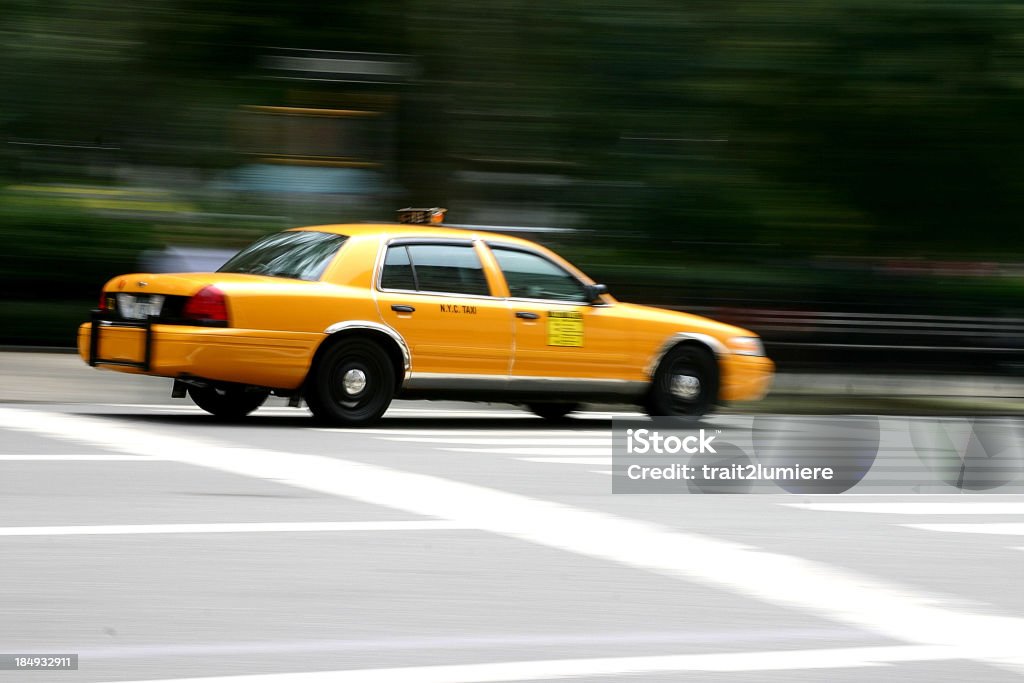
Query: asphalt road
(457, 542)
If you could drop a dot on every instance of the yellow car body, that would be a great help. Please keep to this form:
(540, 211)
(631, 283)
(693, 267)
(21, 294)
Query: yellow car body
(523, 325)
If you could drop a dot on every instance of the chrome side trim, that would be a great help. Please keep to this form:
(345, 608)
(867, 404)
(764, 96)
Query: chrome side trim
(512, 378)
(716, 346)
(447, 295)
(511, 383)
(376, 327)
(378, 265)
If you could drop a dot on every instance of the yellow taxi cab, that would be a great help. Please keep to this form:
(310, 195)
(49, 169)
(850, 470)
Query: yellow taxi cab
(349, 317)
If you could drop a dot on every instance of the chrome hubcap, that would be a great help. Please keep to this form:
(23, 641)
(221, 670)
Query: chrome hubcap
(685, 387)
(354, 381)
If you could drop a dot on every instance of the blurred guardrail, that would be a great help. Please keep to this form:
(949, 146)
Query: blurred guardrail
(933, 343)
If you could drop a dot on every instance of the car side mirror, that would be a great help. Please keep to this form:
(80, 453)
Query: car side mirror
(594, 292)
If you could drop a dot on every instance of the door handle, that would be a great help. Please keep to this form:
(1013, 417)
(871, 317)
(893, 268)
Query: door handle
(526, 315)
(400, 308)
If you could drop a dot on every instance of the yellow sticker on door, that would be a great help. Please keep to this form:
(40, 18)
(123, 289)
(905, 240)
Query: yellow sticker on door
(565, 328)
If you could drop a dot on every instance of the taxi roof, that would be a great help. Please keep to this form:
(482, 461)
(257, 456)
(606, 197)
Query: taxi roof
(412, 230)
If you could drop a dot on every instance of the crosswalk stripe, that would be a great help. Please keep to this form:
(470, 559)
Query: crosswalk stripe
(191, 408)
(458, 432)
(570, 461)
(482, 441)
(893, 610)
(1000, 528)
(86, 457)
(527, 670)
(494, 413)
(530, 450)
(919, 508)
(228, 528)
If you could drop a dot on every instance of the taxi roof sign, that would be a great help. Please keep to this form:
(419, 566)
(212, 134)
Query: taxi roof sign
(433, 215)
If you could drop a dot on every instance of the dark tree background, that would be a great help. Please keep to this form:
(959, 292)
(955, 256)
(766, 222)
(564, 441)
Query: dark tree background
(755, 132)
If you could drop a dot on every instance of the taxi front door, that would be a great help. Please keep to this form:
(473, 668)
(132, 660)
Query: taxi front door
(557, 333)
(557, 339)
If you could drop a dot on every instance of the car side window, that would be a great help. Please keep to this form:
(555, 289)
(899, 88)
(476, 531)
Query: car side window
(531, 276)
(441, 268)
(397, 272)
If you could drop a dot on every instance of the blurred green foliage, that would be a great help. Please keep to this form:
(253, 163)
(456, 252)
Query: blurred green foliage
(842, 125)
(43, 323)
(56, 257)
(749, 135)
(60, 252)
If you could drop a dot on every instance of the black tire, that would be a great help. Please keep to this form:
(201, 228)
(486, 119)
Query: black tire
(361, 399)
(552, 411)
(685, 383)
(228, 402)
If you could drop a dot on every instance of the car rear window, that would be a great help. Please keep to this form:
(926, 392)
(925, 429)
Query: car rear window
(301, 255)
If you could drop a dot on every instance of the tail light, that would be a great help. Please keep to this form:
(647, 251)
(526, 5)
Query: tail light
(103, 300)
(208, 305)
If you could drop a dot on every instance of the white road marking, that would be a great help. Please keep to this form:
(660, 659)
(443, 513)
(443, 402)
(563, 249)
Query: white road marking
(570, 449)
(1001, 528)
(463, 641)
(83, 457)
(493, 412)
(227, 528)
(891, 609)
(192, 408)
(965, 507)
(510, 412)
(558, 450)
(537, 450)
(392, 412)
(570, 461)
(505, 440)
(832, 658)
(482, 433)
(491, 415)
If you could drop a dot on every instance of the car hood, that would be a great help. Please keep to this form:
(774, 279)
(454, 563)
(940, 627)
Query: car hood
(685, 322)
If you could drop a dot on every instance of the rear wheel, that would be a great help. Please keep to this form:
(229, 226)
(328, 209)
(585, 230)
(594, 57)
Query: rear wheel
(229, 402)
(685, 383)
(552, 411)
(352, 383)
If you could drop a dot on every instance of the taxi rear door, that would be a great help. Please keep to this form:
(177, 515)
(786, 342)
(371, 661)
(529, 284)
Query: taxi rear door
(435, 293)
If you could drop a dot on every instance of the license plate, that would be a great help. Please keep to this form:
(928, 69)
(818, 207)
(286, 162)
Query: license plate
(139, 306)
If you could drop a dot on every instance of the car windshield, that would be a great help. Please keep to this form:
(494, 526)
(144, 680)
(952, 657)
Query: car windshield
(301, 254)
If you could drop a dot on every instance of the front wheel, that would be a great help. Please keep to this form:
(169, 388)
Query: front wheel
(685, 383)
(552, 411)
(352, 383)
(228, 402)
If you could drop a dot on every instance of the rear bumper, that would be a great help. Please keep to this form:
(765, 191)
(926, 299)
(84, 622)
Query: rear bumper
(260, 357)
(745, 378)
